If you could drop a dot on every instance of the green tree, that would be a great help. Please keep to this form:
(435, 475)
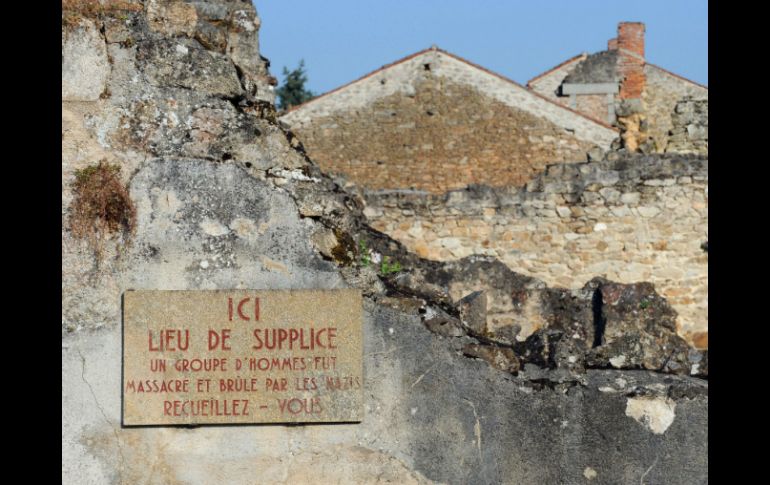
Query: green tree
(292, 92)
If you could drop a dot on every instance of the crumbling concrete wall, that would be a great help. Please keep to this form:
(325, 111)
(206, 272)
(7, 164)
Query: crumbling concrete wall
(224, 198)
(632, 219)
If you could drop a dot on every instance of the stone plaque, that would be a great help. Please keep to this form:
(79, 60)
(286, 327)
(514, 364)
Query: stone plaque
(242, 356)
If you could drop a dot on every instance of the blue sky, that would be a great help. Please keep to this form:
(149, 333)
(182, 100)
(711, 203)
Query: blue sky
(341, 40)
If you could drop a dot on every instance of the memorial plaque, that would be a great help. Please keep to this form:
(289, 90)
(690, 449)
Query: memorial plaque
(242, 356)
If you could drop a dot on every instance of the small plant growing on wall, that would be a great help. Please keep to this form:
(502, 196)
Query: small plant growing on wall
(366, 258)
(101, 207)
(387, 267)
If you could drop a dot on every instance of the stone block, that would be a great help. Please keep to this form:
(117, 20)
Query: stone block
(473, 311)
(85, 66)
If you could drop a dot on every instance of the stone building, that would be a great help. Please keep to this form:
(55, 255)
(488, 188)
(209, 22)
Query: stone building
(629, 219)
(455, 161)
(434, 121)
(618, 86)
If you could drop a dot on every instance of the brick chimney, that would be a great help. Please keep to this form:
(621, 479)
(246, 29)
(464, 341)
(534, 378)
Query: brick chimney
(612, 44)
(630, 46)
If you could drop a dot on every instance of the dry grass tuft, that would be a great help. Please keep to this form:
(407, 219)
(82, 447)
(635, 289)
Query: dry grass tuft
(101, 207)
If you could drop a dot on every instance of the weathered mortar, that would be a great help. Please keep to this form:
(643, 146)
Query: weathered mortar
(635, 219)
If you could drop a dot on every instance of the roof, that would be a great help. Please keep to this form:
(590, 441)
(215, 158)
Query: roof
(464, 61)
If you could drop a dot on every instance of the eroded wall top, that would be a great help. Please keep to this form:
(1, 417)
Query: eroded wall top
(212, 193)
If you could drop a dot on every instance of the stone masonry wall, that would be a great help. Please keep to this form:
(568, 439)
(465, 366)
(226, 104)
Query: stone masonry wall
(593, 105)
(690, 131)
(440, 137)
(548, 84)
(664, 91)
(634, 219)
(401, 76)
(207, 190)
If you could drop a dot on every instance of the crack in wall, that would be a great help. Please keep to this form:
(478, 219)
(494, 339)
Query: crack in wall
(641, 480)
(104, 415)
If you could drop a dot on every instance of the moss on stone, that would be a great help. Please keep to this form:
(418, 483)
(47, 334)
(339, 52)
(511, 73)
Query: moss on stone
(345, 247)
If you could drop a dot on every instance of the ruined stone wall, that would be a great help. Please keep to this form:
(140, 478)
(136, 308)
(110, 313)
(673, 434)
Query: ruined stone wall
(401, 76)
(593, 105)
(664, 90)
(690, 130)
(548, 84)
(208, 191)
(447, 121)
(634, 219)
(441, 136)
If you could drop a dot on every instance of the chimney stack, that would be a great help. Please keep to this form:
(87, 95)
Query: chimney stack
(630, 46)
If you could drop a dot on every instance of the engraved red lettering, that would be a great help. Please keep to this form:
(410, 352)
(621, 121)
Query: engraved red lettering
(318, 338)
(240, 309)
(219, 339)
